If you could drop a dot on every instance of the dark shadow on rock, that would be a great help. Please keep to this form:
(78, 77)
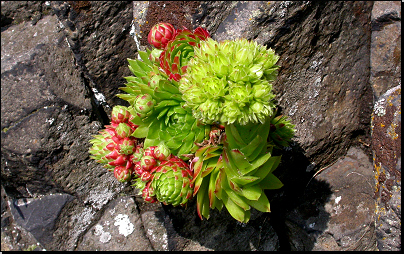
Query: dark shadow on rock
(264, 231)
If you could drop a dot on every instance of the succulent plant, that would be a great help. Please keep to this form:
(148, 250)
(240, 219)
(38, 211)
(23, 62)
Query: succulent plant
(230, 82)
(208, 173)
(122, 174)
(169, 183)
(235, 172)
(115, 145)
(192, 98)
(162, 152)
(144, 105)
(281, 130)
(161, 34)
(248, 167)
(160, 112)
(174, 58)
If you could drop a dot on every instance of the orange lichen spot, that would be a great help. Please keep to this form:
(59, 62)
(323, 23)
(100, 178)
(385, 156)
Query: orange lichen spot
(382, 125)
(147, 22)
(235, 18)
(135, 17)
(250, 19)
(141, 31)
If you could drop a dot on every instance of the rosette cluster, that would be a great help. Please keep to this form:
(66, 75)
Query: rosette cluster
(115, 145)
(230, 82)
(162, 177)
(201, 123)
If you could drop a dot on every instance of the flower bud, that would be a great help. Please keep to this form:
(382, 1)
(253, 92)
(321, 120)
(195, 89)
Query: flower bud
(148, 162)
(120, 114)
(123, 130)
(122, 174)
(138, 169)
(149, 151)
(161, 34)
(137, 155)
(154, 81)
(144, 105)
(127, 146)
(162, 152)
(146, 176)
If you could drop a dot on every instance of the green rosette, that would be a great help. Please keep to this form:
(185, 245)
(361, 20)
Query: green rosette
(161, 115)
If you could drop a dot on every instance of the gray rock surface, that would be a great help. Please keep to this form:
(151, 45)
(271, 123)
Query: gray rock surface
(13, 236)
(346, 221)
(62, 65)
(31, 215)
(16, 12)
(120, 228)
(98, 33)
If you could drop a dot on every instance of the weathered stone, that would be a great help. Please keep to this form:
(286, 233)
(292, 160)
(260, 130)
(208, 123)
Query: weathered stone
(13, 236)
(323, 80)
(221, 232)
(346, 221)
(239, 22)
(120, 228)
(34, 93)
(38, 215)
(386, 144)
(153, 223)
(160, 230)
(98, 34)
(21, 80)
(212, 14)
(45, 138)
(177, 13)
(385, 56)
(16, 12)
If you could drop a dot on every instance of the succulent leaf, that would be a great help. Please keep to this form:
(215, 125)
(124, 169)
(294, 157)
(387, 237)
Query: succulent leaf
(281, 131)
(262, 204)
(271, 182)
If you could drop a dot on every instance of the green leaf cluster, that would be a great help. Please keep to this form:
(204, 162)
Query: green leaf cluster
(236, 173)
(169, 121)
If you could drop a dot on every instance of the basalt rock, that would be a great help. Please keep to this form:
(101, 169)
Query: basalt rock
(98, 34)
